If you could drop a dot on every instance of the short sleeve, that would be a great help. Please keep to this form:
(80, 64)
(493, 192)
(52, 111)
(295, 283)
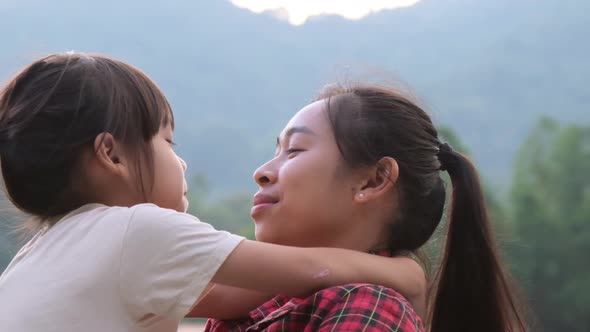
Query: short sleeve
(167, 260)
(369, 308)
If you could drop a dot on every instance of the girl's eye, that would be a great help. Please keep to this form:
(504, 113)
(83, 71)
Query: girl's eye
(171, 142)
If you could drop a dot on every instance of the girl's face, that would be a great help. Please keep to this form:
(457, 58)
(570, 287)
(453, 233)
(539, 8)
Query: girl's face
(306, 195)
(169, 186)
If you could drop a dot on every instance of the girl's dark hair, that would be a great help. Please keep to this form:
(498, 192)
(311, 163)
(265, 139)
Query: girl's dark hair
(472, 290)
(55, 108)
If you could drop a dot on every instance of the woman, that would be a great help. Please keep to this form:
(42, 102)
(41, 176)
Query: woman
(360, 168)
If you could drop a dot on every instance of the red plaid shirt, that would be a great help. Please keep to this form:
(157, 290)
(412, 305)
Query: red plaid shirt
(354, 307)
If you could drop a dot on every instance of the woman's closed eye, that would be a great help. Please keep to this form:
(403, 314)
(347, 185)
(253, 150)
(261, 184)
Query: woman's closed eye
(171, 142)
(293, 152)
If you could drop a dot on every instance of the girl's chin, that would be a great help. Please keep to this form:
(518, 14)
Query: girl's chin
(183, 205)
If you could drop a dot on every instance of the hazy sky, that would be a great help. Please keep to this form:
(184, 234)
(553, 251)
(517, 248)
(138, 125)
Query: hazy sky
(297, 11)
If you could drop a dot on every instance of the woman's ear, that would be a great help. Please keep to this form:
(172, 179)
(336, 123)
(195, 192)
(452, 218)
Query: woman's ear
(379, 180)
(111, 155)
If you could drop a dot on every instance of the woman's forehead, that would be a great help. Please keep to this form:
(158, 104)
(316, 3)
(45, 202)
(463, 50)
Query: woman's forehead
(311, 117)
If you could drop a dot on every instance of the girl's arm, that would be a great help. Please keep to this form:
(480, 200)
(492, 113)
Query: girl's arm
(228, 303)
(296, 272)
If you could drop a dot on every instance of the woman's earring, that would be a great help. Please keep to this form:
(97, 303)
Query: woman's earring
(360, 196)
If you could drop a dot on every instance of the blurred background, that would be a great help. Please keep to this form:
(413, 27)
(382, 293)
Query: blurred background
(507, 81)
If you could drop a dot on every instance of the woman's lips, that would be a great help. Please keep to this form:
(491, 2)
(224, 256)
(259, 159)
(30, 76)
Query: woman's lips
(262, 202)
(257, 209)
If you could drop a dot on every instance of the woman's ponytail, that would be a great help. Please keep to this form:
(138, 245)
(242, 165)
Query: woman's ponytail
(473, 291)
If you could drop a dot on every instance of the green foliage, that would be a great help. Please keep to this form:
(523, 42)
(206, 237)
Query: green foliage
(10, 237)
(230, 213)
(5, 256)
(449, 136)
(551, 213)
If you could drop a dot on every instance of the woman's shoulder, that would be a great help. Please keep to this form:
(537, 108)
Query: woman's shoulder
(384, 306)
(353, 307)
(361, 292)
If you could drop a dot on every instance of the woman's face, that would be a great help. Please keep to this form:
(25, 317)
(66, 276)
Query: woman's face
(306, 195)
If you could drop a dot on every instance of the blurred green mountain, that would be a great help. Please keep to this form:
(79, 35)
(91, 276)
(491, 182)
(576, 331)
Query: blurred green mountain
(487, 69)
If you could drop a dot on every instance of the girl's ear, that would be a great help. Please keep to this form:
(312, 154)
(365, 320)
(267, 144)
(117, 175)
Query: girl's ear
(379, 180)
(111, 154)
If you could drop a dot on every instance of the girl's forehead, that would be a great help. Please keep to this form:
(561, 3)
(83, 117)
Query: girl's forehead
(167, 128)
(168, 119)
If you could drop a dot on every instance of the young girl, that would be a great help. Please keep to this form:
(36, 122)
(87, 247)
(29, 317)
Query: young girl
(86, 149)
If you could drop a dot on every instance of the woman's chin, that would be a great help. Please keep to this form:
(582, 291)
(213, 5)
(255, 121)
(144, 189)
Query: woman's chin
(263, 234)
(259, 233)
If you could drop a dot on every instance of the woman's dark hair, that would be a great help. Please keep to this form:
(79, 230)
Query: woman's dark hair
(55, 108)
(472, 290)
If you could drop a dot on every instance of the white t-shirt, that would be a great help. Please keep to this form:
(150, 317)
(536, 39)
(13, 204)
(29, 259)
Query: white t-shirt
(112, 269)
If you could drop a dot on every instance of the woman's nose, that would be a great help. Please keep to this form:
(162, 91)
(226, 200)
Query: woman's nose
(265, 174)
